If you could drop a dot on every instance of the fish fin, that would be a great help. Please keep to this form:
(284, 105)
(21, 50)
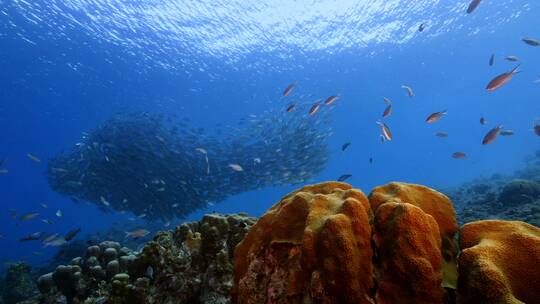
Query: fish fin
(515, 70)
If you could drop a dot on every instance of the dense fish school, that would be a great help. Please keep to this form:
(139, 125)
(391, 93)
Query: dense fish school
(160, 169)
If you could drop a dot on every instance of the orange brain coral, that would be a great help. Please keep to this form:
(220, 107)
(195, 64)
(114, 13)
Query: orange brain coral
(433, 203)
(408, 263)
(499, 263)
(311, 247)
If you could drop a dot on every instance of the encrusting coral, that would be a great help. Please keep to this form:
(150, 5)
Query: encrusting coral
(192, 264)
(499, 262)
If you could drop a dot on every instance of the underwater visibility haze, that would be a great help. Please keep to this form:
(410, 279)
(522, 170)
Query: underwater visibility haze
(122, 118)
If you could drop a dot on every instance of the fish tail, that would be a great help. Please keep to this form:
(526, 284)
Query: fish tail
(515, 70)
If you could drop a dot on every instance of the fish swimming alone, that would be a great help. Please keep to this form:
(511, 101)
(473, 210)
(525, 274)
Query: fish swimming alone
(330, 100)
(136, 234)
(314, 108)
(288, 90)
(32, 237)
(492, 60)
(33, 157)
(458, 155)
(345, 146)
(236, 167)
(386, 133)
(472, 6)
(29, 216)
(511, 58)
(531, 41)
(441, 134)
(71, 234)
(491, 135)
(344, 177)
(408, 89)
(483, 121)
(507, 132)
(387, 112)
(435, 116)
(291, 108)
(501, 80)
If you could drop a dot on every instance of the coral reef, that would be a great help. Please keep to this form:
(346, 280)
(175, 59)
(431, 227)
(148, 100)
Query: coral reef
(192, 264)
(18, 283)
(433, 203)
(499, 263)
(315, 245)
(515, 196)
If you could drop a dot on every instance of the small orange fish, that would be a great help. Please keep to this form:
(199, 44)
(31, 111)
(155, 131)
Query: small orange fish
(501, 80)
(491, 135)
(288, 90)
(291, 108)
(330, 100)
(458, 155)
(386, 133)
(387, 111)
(409, 90)
(435, 116)
(314, 108)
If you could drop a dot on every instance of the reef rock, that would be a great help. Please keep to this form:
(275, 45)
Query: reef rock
(18, 284)
(192, 264)
(433, 203)
(499, 263)
(519, 191)
(315, 246)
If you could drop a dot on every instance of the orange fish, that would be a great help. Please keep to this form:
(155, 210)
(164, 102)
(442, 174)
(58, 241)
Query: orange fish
(458, 155)
(291, 108)
(387, 111)
(314, 108)
(330, 100)
(288, 90)
(435, 116)
(472, 6)
(501, 80)
(386, 133)
(409, 90)
(491, 135)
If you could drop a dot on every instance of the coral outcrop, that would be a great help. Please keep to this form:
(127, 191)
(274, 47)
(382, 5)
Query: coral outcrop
(18, 284)
(499, 263)
(312, 246)
(315, 246)
(408, 246)
(192, 264)
(433, 203)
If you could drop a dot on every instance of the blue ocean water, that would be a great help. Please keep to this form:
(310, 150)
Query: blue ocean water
(68, 66)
